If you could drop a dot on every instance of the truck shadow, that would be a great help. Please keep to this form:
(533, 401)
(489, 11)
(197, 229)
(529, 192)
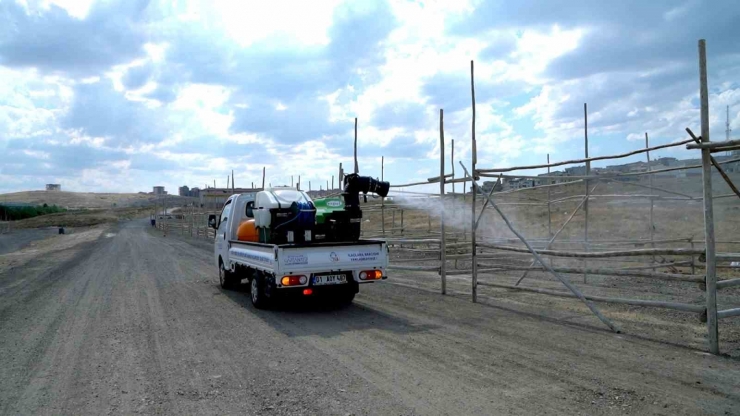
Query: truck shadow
(311, 317)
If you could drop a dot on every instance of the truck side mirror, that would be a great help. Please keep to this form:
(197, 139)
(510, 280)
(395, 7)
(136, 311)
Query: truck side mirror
(212, 221)
(250, 209)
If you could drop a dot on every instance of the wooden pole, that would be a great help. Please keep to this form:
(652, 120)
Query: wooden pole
(711, 277)
(332, 182)
(442, 245)
(309, 186)
(227, 181)
(652, 201)
(263, 177)
(357, 168)
(382, 200)
(472, 181)
(588, 173)
(341, 177)
(549, 211)
(393, 221)
(233, 188)
(452, 162)
(299, 182)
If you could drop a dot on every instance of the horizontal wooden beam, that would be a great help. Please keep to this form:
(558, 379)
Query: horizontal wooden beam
(609, 272)
(685, 307)
(591, 159)
(728, 313)
(600, 254)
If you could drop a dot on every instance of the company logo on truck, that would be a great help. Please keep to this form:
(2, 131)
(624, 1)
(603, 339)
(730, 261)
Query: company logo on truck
(333, 203)
(295, 259)
(361, 256)
(252, 256)
(333, 256)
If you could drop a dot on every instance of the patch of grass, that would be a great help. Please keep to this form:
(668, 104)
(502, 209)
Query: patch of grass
(19, 213)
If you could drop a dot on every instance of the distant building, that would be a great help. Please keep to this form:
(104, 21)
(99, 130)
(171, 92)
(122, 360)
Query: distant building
(521, 183)
(53, 187)
(733, 166)
(188, 192)
(576, 171)
(488, 185)
(213, 199)
(159, 190)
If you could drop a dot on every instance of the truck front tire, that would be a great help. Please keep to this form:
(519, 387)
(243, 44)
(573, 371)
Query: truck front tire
(227, 278)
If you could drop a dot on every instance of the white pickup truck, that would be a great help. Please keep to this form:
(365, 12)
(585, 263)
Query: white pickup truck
(332, 270)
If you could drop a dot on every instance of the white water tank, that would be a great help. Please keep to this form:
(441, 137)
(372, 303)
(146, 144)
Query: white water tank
(271, 198)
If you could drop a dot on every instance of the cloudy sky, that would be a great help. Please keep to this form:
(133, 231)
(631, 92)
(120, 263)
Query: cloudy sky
(123, 95)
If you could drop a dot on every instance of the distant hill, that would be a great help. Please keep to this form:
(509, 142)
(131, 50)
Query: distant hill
(77, 200)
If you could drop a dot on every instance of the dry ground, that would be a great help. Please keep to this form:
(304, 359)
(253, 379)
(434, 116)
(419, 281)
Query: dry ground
(77, 200)
(125, 321)
(82, 218)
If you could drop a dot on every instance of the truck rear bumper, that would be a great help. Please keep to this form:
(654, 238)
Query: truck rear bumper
(325, 291)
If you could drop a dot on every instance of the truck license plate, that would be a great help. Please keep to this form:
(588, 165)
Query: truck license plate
(331, 279)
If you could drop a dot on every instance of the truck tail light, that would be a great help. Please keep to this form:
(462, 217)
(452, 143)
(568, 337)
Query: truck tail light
(293, 280)
(307, 292)
(371, 275)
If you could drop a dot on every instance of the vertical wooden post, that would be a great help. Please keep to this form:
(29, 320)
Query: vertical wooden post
(442, 245)
(403, 230)
(652, 201)
(298, 185)
(588, 172)
(452, 162)
(227, 181)
(327, 184)
(549, 210)
(332, 182)
(549, 206)
(711, 266)
(357, 168)
(263, 177)
(309, 186)
(291, 181)
(341, 177)
(474, 190)
(393, 220)
(233, 188)
(382, 199)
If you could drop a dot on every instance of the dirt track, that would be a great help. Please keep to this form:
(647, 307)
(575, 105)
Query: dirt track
(136, 323)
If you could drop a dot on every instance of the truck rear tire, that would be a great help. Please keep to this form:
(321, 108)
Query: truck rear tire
(257, 293)
(227, 278)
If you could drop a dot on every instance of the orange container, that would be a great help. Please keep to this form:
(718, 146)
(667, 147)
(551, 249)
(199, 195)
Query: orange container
(247, 231)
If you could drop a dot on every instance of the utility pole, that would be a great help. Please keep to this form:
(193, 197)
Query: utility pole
(728, 130)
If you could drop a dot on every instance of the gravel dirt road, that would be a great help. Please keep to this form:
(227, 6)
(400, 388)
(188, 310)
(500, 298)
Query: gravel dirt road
(133, 322)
